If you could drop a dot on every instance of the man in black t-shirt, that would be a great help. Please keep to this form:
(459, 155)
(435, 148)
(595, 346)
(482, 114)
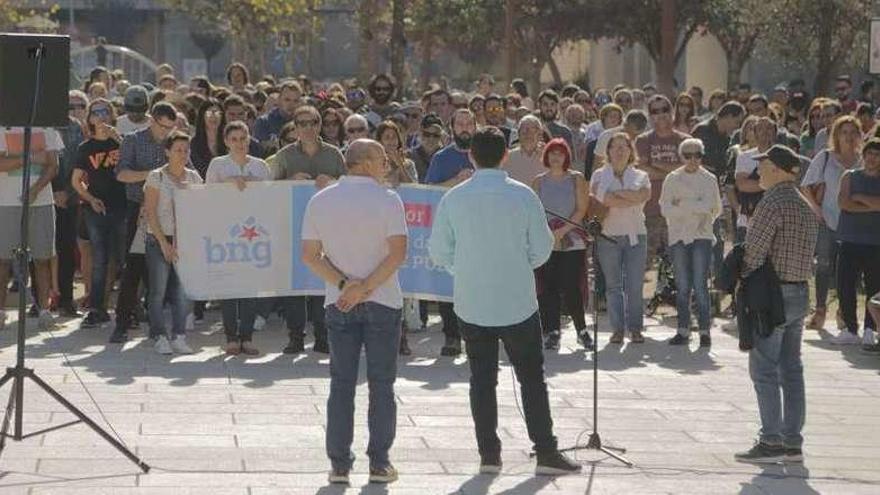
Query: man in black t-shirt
(104, 213)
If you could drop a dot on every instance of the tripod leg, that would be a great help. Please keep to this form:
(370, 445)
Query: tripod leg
(8, 376)
(4, 429)
(94, 426)
(616, 456)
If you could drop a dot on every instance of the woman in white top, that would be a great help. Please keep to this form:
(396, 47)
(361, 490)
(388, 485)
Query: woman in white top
(161, 251)
(690, 201)
(238, 168)
(622, 191)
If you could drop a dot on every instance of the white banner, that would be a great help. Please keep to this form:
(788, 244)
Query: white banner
(239, 244)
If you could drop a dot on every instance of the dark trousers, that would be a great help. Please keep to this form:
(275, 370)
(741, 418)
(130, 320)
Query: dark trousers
(450, 320)
(854, 261)
(107, 236)
(298, 310)
(65, 246)
(238, 319)
(561, 277)
(522, 342)
(135, 271)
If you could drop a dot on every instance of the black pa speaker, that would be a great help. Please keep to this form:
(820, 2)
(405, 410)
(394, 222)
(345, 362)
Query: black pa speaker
(18, 79)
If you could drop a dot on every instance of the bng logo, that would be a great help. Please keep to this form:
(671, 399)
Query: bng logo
(248, 243)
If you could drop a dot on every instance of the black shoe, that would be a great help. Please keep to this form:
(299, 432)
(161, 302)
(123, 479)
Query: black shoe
(68, 311)
(679, 339)
(556, 463)
(585, 339)
(705, 341)
(33, 311)
(490, 464)
(452, 347)
(118, 337)
(793, 454)
(551, 341)
(295, 346)
(94, 319)
(761, 453)
(321, 347)
(139, 313)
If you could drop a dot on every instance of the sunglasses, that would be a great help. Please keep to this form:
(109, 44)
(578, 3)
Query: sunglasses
(355, 130)
(101, 111)
(692, 156)
(306, 123)
(660, 111)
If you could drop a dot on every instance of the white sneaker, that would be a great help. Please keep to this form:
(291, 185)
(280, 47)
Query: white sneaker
(259, 323)
(868, 337)
(190, 322)
(45, 320)
(163, 346)
(179, 345)
(845, 338)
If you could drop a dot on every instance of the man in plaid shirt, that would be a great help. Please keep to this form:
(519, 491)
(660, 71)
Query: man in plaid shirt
(783, 231)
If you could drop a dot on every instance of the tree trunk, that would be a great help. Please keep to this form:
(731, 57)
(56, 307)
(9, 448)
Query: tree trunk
(554, 70)
(398, 42)
(665, 64)
(535, 68)
(824, 62)
(367, 31)
(427, 59)
(735, 64)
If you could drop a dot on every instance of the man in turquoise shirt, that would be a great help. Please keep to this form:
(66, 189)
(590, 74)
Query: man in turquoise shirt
(492, 232)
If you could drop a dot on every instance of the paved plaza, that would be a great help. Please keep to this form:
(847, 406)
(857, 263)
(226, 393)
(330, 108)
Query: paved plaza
(214, 425)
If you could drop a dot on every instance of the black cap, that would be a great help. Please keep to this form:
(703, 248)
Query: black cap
(783, 157)
(431, 120)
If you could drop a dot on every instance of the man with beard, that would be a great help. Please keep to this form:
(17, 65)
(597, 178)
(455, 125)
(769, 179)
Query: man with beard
(494, 110)
(548, 105)
(450, 167)
(381, 90)
(268, 126)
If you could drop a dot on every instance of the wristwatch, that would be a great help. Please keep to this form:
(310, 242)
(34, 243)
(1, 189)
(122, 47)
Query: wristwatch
(342, 283)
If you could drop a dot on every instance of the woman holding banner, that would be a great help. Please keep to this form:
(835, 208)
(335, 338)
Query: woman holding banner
(401, 170)
(161, 250)
(238, 168)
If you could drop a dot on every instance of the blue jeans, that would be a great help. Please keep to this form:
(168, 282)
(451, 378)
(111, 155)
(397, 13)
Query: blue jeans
(690, 263)
(774, 364)
(826, 262)
(624, 269)
(164, 281)
(376, 328)
(107, 235)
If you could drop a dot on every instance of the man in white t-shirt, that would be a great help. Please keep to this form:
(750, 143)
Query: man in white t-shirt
(46, 143)
(354, 237)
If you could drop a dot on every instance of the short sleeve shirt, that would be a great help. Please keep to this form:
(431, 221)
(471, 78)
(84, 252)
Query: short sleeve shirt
(12, 143)
(353, 219)
(446, 164)
(222, 168)
(291, 160)
(163, 181)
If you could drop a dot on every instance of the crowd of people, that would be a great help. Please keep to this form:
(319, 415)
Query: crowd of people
(671, 179)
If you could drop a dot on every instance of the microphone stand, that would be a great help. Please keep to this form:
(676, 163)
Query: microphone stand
(593, 230)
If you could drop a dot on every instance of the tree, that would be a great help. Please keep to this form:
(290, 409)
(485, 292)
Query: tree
(641, 21)
(19, 15)
(251, 24)
(398, 41)
(833, 33)
(738, 29)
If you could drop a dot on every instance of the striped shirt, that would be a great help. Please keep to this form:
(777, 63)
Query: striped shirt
(783, 229)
